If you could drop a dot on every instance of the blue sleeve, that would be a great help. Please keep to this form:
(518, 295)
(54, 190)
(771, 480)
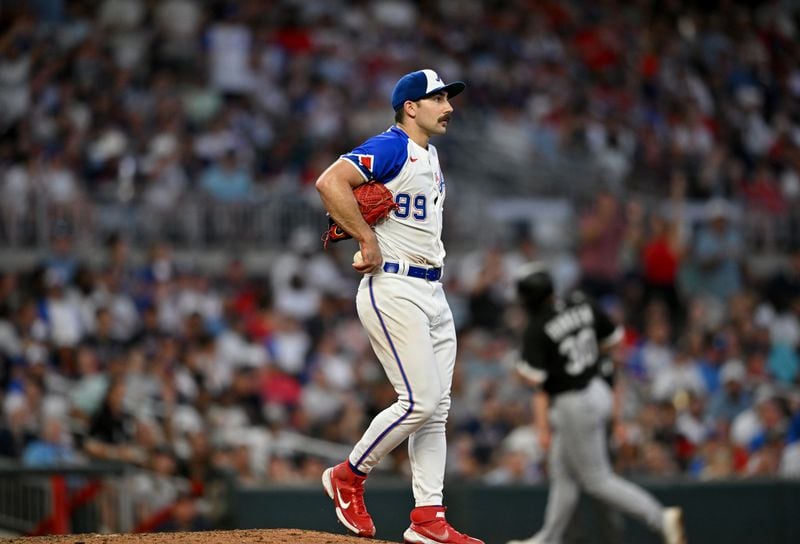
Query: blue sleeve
(380, 158)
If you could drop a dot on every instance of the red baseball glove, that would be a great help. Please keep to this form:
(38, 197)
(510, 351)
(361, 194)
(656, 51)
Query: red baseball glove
(375, 202)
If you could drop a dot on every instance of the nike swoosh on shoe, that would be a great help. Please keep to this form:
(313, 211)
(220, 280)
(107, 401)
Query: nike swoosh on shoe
(342, 504)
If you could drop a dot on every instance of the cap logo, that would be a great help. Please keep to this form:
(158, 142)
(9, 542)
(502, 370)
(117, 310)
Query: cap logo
(433, 80)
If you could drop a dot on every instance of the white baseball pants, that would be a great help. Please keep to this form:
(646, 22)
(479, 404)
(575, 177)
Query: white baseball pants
(411, 330)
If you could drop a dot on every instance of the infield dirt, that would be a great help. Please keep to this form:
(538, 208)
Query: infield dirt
(261, 536)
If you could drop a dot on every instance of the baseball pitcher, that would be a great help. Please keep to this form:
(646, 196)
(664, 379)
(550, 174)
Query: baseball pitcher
(401, 303)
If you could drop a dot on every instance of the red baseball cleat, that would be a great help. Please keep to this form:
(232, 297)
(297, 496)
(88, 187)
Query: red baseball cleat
(346, 489)
(428, 526)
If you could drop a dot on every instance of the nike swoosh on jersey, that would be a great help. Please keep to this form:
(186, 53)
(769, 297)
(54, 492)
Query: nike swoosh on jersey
(413, 159)
(344, 505)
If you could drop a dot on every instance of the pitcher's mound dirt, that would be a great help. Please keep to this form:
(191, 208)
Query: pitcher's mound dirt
(244, 536)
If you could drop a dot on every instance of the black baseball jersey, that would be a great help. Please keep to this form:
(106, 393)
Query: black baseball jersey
(563, 342)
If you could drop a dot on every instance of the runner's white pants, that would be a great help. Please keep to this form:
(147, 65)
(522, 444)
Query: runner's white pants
(579, 459)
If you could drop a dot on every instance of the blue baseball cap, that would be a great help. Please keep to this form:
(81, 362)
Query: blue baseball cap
(421, 84)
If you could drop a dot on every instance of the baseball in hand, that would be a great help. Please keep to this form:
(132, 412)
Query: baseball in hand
(357, 258)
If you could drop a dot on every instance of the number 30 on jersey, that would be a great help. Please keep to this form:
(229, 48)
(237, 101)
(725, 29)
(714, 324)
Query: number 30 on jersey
(580, 350)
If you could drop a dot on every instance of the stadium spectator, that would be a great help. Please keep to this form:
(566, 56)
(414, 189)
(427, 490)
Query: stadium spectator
(716, 261)
(155, 489)
(680, 377)
(110, 431)
(226, 180)
(732, 398)
(662, 254)
(601, 235)
(53, 449)
(16, 432)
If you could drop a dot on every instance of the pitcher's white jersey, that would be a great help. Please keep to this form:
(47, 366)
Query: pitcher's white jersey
(413, 232)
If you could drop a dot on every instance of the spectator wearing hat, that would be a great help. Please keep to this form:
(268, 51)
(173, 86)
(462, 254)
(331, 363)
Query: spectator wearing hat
(732, 398)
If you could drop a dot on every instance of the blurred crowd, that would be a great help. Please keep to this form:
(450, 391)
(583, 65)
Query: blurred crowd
(148, 103)
(155, 362)
(228, 372)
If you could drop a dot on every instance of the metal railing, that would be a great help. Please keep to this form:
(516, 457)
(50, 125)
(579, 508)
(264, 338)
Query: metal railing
(24, 501)
(268, 219)
(98, 498)
(39, 501)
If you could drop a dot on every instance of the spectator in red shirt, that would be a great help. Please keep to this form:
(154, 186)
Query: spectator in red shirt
(661, 258)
